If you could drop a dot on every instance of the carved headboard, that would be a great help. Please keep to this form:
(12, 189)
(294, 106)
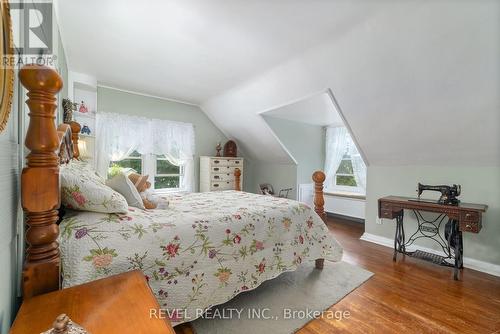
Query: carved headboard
(40, 189)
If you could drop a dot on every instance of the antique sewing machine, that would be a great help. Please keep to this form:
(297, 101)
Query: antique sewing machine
(448, 193)
(447, 215)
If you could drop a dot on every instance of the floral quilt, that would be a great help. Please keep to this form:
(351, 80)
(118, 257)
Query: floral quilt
(202, 251)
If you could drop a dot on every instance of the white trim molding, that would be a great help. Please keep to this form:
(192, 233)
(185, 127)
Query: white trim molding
(99, 85)
(485, 267)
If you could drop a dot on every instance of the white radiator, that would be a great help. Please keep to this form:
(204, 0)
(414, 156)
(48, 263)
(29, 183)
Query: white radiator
(306, 193)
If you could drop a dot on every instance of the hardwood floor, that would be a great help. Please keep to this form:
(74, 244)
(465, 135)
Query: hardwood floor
(409, 296)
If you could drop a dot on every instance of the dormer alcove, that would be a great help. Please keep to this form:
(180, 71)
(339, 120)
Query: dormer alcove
(316, 136)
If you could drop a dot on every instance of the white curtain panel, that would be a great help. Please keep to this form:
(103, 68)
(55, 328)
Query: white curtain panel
(116, 139)
(336, 143)
(358, 167)
(119, 135)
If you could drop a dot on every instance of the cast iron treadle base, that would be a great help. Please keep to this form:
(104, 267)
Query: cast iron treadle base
(437, 259)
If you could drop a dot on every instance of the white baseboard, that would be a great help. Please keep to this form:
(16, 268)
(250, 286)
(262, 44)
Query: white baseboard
(485, 267)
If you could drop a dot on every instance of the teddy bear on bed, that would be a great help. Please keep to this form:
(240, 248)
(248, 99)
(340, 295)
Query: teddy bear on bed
(149, 198)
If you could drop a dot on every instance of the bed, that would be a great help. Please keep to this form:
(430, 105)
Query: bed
(202, 251)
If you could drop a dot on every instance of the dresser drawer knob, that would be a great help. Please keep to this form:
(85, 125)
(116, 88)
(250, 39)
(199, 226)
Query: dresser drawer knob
(468, 215)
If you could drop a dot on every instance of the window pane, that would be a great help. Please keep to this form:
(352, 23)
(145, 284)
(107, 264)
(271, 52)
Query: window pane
(165, 167)
(345, 167)
(348, 181)
(116, 166)
(135, 164)
(162, 182)
(135, 154)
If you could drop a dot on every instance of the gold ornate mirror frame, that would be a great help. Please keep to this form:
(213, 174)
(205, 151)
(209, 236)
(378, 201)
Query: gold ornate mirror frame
(6, 67)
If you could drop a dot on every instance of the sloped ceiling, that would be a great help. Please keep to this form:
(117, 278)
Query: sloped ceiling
(316, 110)
(191, 50)
(417, 81)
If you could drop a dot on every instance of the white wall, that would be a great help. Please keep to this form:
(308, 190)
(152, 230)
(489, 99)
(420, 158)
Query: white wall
(307, 156)
(280, 176)
(479, 185)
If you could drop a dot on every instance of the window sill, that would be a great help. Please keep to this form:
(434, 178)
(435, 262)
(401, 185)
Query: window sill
(345, 194)
(167, 191)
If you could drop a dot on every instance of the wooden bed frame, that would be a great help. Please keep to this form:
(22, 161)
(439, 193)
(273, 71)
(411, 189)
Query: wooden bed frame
(49, 147)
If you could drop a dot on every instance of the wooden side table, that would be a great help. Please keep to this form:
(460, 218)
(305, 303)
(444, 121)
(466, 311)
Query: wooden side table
(117, 304)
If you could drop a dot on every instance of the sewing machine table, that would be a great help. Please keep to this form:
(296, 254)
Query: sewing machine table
(464, 217)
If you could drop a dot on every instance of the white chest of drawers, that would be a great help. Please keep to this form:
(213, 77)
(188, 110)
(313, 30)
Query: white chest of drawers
(217, 173)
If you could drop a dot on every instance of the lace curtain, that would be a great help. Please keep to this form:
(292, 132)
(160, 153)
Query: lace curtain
(338, 142)
(359, 169)
(120, 135)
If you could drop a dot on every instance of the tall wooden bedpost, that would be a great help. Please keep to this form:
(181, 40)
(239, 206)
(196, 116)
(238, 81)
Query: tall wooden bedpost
(319, 200)
(40, 181)
(319, 204)
(75, 130)
(237, 179)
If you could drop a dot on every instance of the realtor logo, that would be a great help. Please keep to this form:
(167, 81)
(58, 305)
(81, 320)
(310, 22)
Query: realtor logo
(33, 22)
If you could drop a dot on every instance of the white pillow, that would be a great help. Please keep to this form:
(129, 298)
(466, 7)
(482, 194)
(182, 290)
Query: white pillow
(82, 189)
(121, 183)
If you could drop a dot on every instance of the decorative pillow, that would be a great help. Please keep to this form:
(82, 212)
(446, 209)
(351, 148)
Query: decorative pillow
(83, 167)
(121, 183)
(82, 189)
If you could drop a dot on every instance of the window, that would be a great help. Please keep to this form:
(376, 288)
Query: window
(344, 166)
(345, 174)
(133, 161)
(166, 175)
(162, 174)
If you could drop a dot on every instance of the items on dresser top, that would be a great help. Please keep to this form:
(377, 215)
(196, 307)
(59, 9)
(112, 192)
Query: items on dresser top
(218, 148)
(230, 149)
(117, 304)
(217, 173)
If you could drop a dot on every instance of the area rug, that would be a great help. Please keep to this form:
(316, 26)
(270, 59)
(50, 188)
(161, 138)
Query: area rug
(285, 304)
